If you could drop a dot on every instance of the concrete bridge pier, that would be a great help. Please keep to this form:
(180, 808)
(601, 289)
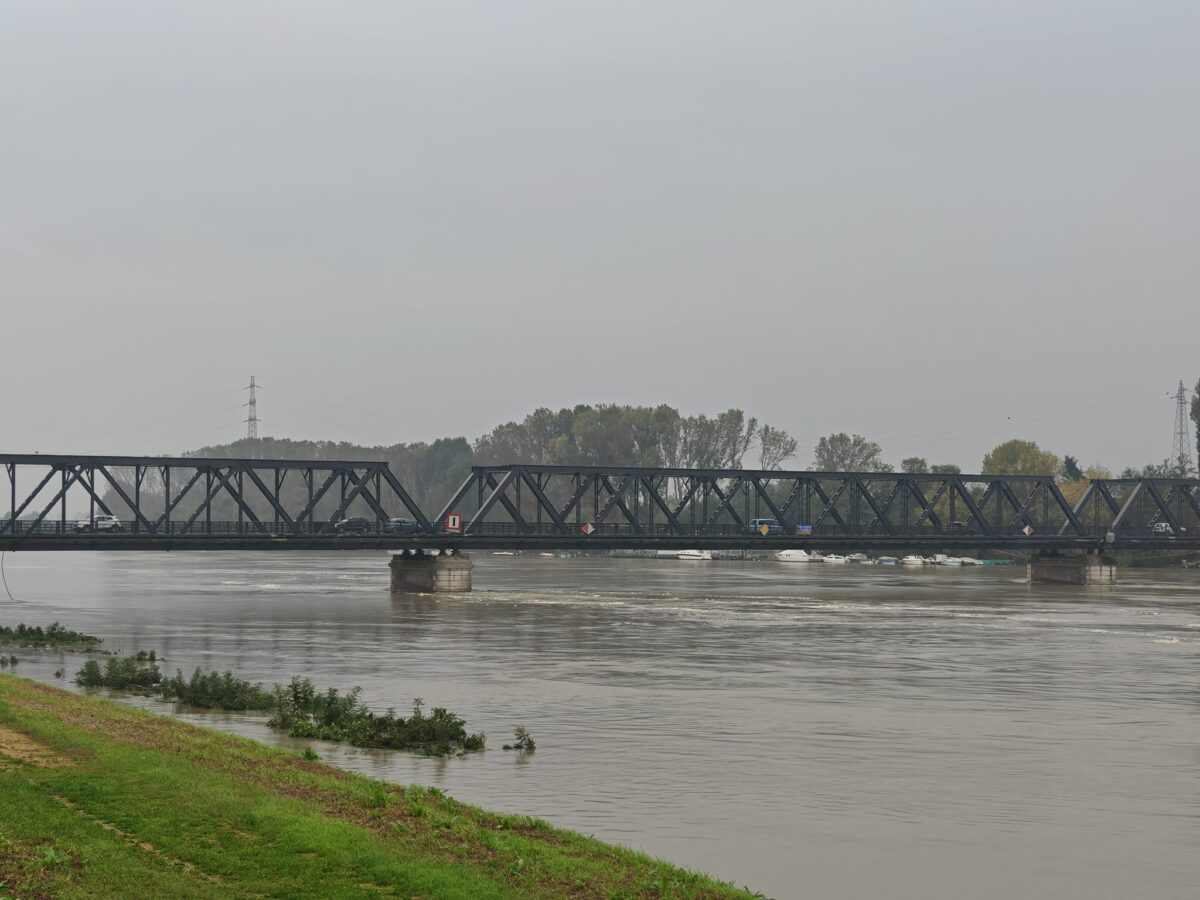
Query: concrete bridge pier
(1072, 570)
(418, 572)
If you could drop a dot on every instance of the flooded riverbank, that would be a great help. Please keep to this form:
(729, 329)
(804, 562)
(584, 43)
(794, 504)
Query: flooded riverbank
(805, 730)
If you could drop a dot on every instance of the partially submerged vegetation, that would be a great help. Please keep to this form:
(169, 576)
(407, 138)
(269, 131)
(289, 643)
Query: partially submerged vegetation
(300, 708)
(216, 690)
(125, 673)
(185, 811)
(302, 711)
(55, 635)
(6, 661)
(524, 741)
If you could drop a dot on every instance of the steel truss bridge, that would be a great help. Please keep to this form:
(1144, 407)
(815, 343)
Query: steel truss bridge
(188, 503)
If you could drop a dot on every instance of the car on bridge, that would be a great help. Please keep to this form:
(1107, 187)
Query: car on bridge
(957, 528)
(1164, 529)
(772, 526)
(99, 523)
(401, 525)
(352, 525)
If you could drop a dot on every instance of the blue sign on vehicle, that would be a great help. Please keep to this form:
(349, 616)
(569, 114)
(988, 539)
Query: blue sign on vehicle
(804, 529)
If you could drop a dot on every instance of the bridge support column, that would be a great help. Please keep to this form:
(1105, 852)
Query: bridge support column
(1072, 570)
(421, 573)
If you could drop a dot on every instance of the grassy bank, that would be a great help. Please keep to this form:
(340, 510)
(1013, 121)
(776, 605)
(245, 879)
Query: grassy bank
(98, 800)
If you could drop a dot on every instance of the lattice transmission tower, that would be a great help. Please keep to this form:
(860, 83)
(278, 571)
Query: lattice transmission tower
(252, 419)
(1181, 446)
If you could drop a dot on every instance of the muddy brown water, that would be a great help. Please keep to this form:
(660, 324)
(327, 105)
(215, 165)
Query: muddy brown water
(806, 730)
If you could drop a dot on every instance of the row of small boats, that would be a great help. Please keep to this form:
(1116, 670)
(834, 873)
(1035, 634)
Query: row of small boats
(851, 559)
(861, 559)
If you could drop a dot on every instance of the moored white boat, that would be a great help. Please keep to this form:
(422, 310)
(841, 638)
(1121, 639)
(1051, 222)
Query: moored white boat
(971, 561)
(941, 559)
(796, 556)
(912, 561)
(886, 561)
(835, 558)
(695, 555)
(859, 559)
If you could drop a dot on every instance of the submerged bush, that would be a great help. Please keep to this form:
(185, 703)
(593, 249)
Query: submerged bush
(300, 708)
(53, 636)
(303, 711)
(524, 741)
(120, 673)
(216, 690)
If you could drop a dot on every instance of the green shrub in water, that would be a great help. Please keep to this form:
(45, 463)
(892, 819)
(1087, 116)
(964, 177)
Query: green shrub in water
(302, 711)
(119, 673)
(53, 636)
(299, 708)
(216, 690)
(524, 741)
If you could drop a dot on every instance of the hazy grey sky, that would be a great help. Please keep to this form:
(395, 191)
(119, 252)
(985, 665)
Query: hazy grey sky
(908, 219)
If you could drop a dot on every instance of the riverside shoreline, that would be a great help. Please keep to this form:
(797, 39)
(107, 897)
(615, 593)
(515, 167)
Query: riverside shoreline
(97, 798)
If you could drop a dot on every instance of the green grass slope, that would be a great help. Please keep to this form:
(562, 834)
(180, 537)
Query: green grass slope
(102, 800)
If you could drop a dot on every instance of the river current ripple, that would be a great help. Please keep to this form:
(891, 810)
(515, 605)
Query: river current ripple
(806, 730)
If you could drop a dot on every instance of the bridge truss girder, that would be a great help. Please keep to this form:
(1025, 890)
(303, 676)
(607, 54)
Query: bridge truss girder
(185, 490)
(186, 496)
(686, 501)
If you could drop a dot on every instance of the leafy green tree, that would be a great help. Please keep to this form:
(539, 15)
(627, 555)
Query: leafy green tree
(1074, 489)
(1168, 468)
(842, 452)
(914, 465)
(624, 435)
(536, 439)
(1018, 457)
(774, 446)
(945, 469)
(718, 443)
(1196, 417)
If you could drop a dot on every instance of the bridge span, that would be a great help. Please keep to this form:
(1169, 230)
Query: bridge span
(190, 503)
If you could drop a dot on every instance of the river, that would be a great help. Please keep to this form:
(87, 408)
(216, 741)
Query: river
(808, 731)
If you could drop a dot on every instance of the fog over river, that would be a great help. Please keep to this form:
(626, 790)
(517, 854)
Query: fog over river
(809, 731)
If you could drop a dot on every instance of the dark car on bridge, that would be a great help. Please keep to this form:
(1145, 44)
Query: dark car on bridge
(401, 525)
(352, 525)
(958, 528)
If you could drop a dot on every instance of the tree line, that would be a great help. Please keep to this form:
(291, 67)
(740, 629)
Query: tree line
(618, 435)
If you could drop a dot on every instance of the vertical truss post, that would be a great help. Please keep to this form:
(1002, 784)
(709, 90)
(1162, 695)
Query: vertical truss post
(310, 477)
(137, 498)
(166, 474)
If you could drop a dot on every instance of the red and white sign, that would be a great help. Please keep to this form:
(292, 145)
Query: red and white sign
(1028, 529)
(587, 528)
(454, 523)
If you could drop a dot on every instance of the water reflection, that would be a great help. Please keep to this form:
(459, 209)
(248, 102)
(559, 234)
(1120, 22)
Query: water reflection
(806, 730)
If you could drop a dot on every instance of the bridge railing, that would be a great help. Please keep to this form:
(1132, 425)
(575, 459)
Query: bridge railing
(610, 531)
